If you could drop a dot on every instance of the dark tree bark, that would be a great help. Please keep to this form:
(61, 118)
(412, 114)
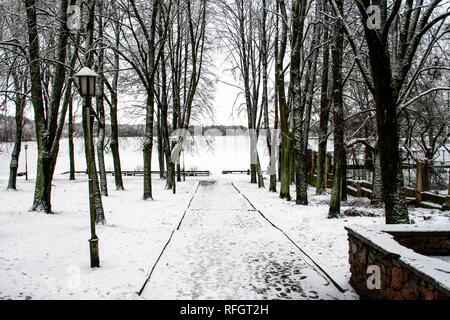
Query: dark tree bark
(338, 116)
(46, 116)
(114, 142)
(20, 102)
(71, 144)
(285, 175)
(101, 104)
(160, 143)
(324, 108)
(298, 105)
(88, 118)
(165, 126)
(149, 81)
(265, 94)
(386, 89)
(148, 147)
(377, 181)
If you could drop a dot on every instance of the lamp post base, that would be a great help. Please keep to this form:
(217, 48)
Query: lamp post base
(93, 246)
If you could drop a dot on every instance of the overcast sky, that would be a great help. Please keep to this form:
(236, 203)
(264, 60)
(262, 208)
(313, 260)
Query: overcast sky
(226, 93)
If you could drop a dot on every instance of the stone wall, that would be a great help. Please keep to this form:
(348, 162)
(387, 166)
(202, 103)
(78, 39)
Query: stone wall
(426, 243)
(399, 280)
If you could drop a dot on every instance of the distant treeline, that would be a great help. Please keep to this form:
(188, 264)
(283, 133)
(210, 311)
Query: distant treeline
(7, 129)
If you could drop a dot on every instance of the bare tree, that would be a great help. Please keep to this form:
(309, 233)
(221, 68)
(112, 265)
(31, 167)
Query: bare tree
(391, 50)
(338, 116)
(322, 174)
(113, 88)
(88, 118)
(14, 80)
(143, 56)
(100, 101)
(46, 111)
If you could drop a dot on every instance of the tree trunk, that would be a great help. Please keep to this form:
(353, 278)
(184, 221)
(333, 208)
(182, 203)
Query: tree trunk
(386, 89)
(147, 149)
(178, 171)
(260, 175)
(88, 119)
(43, 187)
(285, 176)
(344, 171)
(377, 182)
(14, 165)
(391, 172)
(166, 146)
(265, 95)
(114, 143)
(160, 144)
(338, 116)
(101, 105)
(89, 150)
(46, 116)
(71, 144)
(150, 107)
(324, 109)
(101, 157)
(298, 106)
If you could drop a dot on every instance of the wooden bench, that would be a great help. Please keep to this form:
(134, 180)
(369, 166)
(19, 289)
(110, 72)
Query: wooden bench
(236, 171)
(196, 173)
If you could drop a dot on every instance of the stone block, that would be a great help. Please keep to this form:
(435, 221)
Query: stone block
(425, 293)
(407, 295)
(396, 295)
(354, 247)
(363, 255)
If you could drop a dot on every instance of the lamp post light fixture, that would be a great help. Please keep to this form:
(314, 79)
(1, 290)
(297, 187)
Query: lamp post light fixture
(26, 162)
(87, 79)
(86, 83)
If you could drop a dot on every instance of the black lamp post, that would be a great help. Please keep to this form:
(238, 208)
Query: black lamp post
(86, 83)
(26, 162)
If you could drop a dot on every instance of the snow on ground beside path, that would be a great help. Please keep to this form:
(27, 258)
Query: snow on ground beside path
(47, 256)
(324, 239)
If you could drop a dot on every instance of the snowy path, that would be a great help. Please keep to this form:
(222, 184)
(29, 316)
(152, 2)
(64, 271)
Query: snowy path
(226, 250)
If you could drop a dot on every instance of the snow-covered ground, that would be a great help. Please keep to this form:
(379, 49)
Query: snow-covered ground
(326, 239)
(47, 256)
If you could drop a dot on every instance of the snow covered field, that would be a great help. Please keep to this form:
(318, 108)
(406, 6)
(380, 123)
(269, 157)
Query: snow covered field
(47, 256)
